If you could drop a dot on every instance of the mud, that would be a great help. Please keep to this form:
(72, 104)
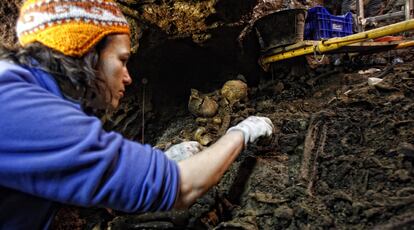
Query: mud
(341, 157)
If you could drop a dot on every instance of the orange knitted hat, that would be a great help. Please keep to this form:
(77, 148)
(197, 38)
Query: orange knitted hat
(71, 27)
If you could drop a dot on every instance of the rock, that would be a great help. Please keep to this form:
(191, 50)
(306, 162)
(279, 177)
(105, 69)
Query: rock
(278, 88)
(284, 212)
(373, 81)
(400, 175)
(369, 71)
(397, 60)
(406, 149)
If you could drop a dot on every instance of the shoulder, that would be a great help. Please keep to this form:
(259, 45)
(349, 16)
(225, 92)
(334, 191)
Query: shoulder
(6, 66)
(13, 75)
(9, 71)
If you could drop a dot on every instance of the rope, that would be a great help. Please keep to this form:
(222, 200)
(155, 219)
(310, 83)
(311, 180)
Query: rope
(315, 48)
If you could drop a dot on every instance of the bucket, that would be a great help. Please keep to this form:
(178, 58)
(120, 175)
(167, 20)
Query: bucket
(281, 28)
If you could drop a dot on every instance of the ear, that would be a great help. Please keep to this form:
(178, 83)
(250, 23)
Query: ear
(194, 92)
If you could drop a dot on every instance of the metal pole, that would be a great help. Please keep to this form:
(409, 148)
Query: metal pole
(335, 43)
(360, 14)
(399, 14)
(407, 9)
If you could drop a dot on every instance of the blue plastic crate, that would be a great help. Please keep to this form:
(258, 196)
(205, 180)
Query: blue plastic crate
(320, 24)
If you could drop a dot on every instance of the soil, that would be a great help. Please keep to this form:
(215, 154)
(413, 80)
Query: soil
(342, 155)
(8, 14)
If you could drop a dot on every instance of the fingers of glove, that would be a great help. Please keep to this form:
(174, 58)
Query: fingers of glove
(192, 146)
(195, 145)
(183, 150)
(268, 121)
(258, 120)
(175, 150)
(267, 125)
(257, 127)
(254, 127)
(177, 154)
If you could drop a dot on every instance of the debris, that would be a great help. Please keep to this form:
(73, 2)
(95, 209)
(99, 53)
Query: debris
(284, 212)
(397, 60)
(369, 71)
(266, 198)
(374, 80)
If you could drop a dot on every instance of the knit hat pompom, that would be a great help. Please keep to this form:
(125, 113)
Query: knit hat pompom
(71, 27)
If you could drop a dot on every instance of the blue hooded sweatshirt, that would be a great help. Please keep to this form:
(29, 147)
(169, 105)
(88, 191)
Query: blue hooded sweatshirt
(51, 152)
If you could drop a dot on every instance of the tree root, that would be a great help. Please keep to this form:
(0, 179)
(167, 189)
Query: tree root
(317, 132)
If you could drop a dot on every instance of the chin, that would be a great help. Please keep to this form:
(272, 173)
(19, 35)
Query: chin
(114, 105)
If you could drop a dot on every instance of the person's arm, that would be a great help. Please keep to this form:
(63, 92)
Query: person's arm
(51, 149)
(202, 171)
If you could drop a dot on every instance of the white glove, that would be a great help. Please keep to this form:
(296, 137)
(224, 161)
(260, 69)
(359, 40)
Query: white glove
(254, 127)
(183, 150)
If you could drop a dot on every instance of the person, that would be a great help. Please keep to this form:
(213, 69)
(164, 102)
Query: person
(71, 61)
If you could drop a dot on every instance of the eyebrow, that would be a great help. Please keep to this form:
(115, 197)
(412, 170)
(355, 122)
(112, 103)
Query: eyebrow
(127, 54)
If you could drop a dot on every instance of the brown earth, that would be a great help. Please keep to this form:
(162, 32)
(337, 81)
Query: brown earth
(341, 157)
(9, 11)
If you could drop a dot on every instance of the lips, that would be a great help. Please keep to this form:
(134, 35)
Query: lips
(121, 94)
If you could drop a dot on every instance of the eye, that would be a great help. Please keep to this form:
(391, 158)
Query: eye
(124, 60)
(124, 57)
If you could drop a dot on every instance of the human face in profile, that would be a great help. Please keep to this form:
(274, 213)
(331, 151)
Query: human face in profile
(112, 67)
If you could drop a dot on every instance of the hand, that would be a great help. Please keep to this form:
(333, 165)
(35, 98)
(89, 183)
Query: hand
(183, 150)
(254, 127)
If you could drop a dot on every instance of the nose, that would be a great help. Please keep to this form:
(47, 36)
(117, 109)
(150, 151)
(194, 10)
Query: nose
(127, 80)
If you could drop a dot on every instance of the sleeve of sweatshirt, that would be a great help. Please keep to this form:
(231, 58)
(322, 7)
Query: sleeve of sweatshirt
(51, 149)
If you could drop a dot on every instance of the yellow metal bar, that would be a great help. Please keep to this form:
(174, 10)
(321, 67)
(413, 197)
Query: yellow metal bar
(335, 43)
(349, 38)
(405, 45)
(375, 33)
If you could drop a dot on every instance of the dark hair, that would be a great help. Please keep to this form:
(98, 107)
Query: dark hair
(77, 77)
